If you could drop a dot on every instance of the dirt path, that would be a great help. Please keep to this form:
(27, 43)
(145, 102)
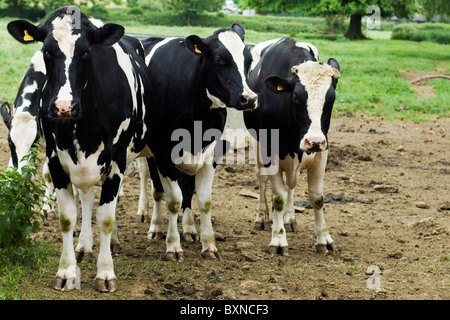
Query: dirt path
(388, 183)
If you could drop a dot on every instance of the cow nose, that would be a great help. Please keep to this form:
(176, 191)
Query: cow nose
(248, 103)
(315, 145)
(65, 109)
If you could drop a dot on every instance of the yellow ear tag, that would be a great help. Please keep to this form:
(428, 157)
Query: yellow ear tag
(280, 88)
(27, 37)
(7, 109)
(197, 49)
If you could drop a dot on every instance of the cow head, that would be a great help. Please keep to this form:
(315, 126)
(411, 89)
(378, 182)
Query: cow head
(23, 123)
(67, 46)
(225, 65)
(23, 133)
(312, 93)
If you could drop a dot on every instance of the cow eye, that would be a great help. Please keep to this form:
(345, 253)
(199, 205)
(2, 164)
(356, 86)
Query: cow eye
(84, 55)
(295, 99)
(220, 61)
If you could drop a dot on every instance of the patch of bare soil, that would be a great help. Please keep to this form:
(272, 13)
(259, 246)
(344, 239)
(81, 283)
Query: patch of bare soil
(387, 209)
(418, 80)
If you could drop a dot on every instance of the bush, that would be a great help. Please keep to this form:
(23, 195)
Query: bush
(434, 32)
(20, 211)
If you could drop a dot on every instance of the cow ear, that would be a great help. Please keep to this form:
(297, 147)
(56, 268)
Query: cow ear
(25, 32)
(6, 112)
(278, 84)
(335, 68)
(195, 44)
(107, 35)
(239, 30)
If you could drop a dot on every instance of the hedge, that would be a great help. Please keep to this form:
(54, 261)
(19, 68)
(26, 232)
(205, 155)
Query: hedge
(434, 32)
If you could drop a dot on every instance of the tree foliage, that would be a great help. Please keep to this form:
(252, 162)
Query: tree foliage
(189, 9)
(356, 9)
(433, 8)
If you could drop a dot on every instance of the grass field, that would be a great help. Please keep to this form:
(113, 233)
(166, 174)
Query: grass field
(371, 70)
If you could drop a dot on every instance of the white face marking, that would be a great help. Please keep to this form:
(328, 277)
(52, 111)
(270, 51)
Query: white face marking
(62, 32)
(236, 46)
(317, 79)
(23, 133)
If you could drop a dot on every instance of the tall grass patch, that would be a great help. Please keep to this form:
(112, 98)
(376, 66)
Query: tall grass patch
(433, 32)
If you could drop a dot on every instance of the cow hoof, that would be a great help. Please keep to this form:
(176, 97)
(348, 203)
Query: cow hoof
(262, 226)
(324, 248)
(105, 286)
(190, 237)
(156, 236)
(211, 255)
(58, 283)
(174, 256)
(284, 251)
(80, 255)
(291, 227)
(64, 284)
(115, 247)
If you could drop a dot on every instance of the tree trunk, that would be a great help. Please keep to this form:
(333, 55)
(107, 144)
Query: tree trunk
(354, 31)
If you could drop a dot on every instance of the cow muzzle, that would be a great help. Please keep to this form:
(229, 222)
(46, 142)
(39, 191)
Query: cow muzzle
(65, 109)
(247, 103)
(314, 144)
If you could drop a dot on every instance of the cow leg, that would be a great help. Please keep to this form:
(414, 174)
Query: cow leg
(106, 279)
(156, 230)
(289, 215)
(66, 276)
(203, 185)
(144, 175)
(262, 221)
(174, 198)
(316, 173)
(279, 242)
(85, 240)
(48, 207)
(187, 185)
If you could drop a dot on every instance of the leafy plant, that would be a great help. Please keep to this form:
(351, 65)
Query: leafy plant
(21, 208)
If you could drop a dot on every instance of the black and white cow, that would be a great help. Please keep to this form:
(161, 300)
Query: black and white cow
(296, 94)
(22, 121)
(95, 119)
(194, 80)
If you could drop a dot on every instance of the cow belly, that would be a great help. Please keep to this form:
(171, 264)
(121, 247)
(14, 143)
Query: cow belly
(190, 164)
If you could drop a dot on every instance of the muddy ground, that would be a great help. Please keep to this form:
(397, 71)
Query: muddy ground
(402, 232)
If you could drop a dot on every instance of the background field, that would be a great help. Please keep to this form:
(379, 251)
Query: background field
(377, 111)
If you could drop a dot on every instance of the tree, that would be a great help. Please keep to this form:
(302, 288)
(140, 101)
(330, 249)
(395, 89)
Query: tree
(356, 9)
(433, 8)
(190, 8)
